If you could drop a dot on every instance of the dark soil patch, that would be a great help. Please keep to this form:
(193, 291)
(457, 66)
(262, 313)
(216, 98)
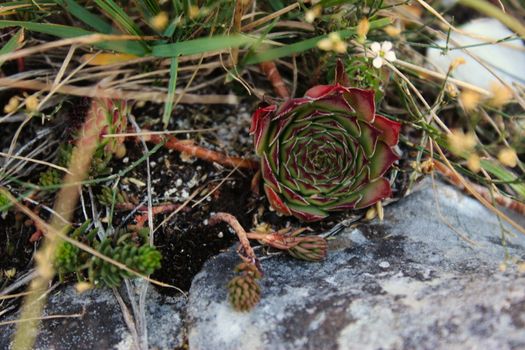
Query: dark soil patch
(16, 251)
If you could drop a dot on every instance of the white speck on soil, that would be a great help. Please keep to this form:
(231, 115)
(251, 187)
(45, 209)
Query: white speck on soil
(384, 264)
(169, 192)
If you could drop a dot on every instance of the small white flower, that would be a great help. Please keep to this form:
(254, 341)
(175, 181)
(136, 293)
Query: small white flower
(382, 52)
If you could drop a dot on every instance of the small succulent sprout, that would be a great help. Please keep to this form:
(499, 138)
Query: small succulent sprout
(309, 248)
(67, 257)
(243, 291)
(5, 203)
(112, 118)
(325, 152)
(107, 196)
(50, 178)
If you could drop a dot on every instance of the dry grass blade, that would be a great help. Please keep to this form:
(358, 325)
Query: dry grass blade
(51, 165)
(82, 40)
(269, 17)
(64, 206)
(95, 91)
(50, 317)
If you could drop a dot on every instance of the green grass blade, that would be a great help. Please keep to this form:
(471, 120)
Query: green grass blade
(288, 50)
(168, 107)
(62, 31)
(85, 16)
(115, 12)
(59, 30)
(149, 8)
(504, 175)
(11, 45)
(196, 46)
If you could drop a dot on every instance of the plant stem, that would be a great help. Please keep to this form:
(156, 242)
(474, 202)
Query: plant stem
(247, 254)
(189, 147)
(64, 207)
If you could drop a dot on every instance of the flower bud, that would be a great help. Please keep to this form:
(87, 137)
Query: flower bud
(309, 248)
(243, 291)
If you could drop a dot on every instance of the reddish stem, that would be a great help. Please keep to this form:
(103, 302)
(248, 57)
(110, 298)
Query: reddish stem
(273, 75)
(247, 254)
(141, 219)
(162, 208)
(189, 147)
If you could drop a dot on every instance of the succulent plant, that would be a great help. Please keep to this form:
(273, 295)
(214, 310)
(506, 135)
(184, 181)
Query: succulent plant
(50, 177)
(112, 118)
(5, 203)
(243, 291)
(309, 248)
(123, 247)
(327, 151)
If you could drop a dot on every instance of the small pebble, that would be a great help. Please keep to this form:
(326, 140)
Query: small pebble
(384, 264)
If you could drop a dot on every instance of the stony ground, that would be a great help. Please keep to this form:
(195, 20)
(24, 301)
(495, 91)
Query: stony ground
(429, 277)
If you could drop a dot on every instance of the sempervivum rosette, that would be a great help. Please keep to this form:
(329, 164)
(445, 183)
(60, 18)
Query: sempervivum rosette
(327, 151)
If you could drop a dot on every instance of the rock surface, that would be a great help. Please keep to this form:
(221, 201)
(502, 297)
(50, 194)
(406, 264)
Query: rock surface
(102, 324)
(428, 277)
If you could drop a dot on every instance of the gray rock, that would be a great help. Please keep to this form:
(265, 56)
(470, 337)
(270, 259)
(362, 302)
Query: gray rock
(507, 59)
(102, 325)
(428, 277)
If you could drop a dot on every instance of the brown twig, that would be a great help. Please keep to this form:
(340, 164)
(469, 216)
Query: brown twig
(141, 219)
(162, 208)
(93, 91)
(246, 253)
(273, 75)
(189, 147)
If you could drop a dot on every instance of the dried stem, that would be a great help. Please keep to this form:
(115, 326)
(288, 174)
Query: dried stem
(189, 147)
(247, 254)
(273, 75)
(64, 207)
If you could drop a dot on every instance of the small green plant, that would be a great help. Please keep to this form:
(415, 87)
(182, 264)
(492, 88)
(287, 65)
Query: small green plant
(51, 178)
(127, 248)
(112, 116)
(5, 204)
(107, 196)
(243, 291)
